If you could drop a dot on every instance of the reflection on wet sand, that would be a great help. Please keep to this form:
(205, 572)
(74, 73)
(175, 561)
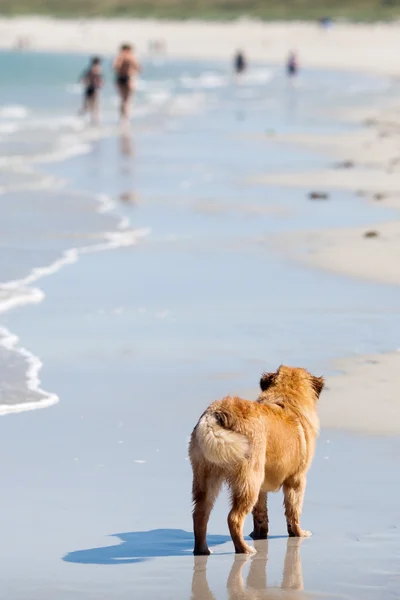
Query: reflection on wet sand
(256, 587)
(126, 143)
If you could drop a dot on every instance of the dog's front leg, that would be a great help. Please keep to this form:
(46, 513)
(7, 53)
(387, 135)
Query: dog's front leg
(293, 491)
(260, 518)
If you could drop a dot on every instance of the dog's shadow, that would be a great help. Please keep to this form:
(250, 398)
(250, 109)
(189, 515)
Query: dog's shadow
(256, 586)
(139, 546)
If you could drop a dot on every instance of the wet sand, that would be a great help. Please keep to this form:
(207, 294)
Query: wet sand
(366, 163)
(138, 340)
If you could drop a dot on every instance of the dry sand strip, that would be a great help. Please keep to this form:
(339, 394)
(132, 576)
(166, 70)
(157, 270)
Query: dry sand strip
(362, 148)
(371, 254)
(367, 180)
(364, 398)
(366, 162)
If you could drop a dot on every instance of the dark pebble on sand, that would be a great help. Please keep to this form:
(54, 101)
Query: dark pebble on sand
(379, 196)
(346, 164)
(371, 234)
(318, 195)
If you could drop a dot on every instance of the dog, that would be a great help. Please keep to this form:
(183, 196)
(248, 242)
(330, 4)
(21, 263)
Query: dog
(256, 448)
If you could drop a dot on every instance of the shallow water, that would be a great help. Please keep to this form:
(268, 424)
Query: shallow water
(168, 300)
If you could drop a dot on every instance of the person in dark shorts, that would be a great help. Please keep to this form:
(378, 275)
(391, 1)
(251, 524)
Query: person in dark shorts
(240, 64)
(292, 65)
(92, 80)
(126, 67)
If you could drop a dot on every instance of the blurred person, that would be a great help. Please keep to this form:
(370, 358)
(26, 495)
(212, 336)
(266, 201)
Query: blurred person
(292, 64)
(126, 67)
(239, 63)
(92, 80)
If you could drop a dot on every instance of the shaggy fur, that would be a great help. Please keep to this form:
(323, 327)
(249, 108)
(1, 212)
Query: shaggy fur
(256, 448)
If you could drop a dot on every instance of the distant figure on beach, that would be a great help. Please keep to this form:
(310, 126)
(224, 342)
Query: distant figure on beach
(126, 67)
(240, 63)
(325, 22)
(292, 65)
(92, 80)
(157, 46)
(23, 42)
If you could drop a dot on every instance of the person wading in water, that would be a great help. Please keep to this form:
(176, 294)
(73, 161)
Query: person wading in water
(126, 67)
(92, 80)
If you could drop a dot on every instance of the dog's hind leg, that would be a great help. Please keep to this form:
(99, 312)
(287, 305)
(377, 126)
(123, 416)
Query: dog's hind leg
(207, 480)
(260, 518)
(244, 493)
(293, 491)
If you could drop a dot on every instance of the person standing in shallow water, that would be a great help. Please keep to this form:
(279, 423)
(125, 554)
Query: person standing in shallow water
(92, 80)
(126, 67)
(292, 65)
(240, 63)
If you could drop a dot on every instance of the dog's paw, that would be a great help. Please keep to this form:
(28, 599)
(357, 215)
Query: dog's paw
(305, 533)
(246, 550)
(202, 552)
(301, 533)
(259, 534)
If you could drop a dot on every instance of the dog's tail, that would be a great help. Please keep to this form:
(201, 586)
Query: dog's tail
(218, 438)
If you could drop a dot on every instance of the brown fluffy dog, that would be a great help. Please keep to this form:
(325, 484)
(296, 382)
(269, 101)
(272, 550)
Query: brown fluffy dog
(256, 447)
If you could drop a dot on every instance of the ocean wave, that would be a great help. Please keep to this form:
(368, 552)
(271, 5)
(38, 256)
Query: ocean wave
(10, 341)
(17, 293)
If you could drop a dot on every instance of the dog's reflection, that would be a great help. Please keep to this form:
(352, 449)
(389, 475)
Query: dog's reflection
(256, 587)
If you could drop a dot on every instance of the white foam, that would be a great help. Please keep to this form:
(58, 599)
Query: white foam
(57, 155)
(207, 80)
(13, 111)
(158, 97)
(55, 123)
(21, 297)
(186, 103)
(10, 342)
(259, 76)
(9, 128)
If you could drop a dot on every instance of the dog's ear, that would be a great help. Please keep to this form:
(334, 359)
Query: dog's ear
(318, 384)
(267, 379)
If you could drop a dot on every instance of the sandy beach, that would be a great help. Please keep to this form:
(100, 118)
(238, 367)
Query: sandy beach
(371, 48)
(153, 270)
